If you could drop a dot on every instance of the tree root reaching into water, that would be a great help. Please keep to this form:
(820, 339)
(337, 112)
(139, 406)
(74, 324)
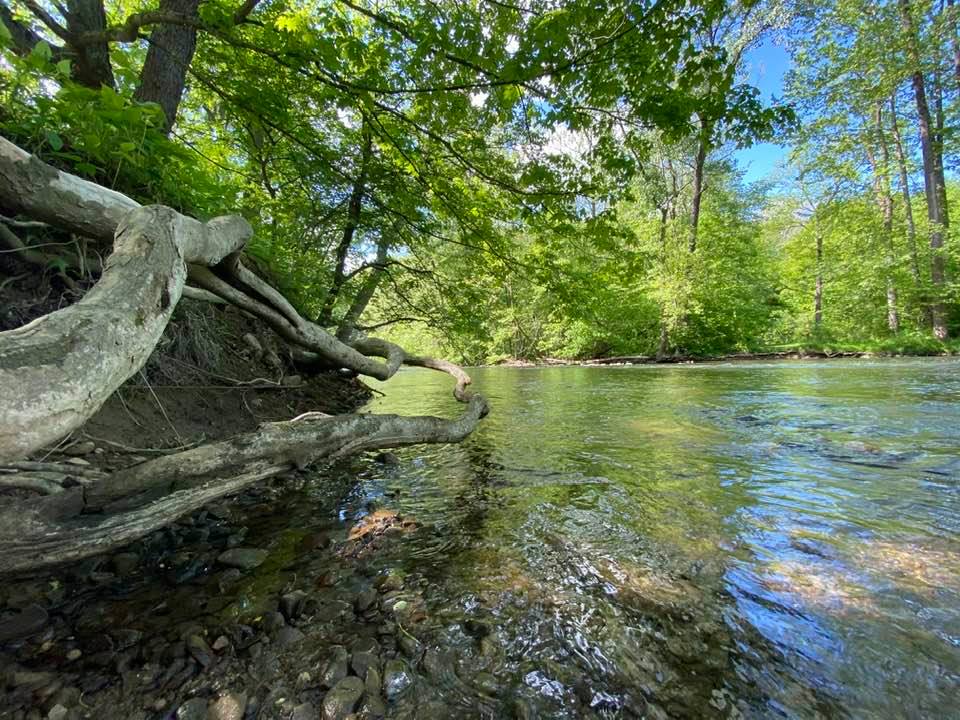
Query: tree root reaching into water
(58, 370)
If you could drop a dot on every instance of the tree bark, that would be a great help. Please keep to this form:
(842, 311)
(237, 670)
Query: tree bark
(881, 187)
(354, 209)
(818, 286)
(699, 164)
(90, 64)
(934, 181)
(365, 294)
(905, 189)
(164, 73)
(57, 371)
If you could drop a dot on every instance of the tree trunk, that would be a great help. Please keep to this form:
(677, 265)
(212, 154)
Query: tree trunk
(934, 182)
(905, 189)
(90, 64)
(354, 208)
(954, 40)
(365, 294)
(699, 163)
(818, 287)
(881, 186)
(164, 72)
(56, 372)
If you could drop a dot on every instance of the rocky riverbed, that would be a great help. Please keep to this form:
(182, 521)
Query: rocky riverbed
(197, 621)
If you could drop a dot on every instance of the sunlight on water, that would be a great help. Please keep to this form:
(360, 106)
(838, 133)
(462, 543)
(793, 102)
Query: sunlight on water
(758, 540)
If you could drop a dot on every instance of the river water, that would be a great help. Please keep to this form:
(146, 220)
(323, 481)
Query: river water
(757, 539)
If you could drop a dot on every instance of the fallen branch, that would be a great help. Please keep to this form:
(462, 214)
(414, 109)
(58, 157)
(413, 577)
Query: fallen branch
(58, 370)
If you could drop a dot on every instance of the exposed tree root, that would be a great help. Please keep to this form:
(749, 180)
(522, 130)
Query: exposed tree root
(58, 370)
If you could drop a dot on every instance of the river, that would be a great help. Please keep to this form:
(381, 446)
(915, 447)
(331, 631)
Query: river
(769, 539)
(743, 540)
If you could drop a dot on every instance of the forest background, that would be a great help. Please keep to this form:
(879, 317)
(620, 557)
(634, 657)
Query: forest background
(487, 181)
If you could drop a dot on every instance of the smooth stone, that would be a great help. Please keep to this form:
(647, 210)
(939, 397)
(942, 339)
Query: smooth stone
(342, 699)
(363, 661)
(396, 679)
(228, 707)
(221, 643)
(291, 604)
(304, 711)
(193, 709)
(78, 461)
(335, 669)
(242, 558)
(366, 644)
(390, 582)
(373, 708)
(57, 712)
(365, 599)
(32, 619)
(81, 448)
(199, 649)
(288, 636)
(408, 644)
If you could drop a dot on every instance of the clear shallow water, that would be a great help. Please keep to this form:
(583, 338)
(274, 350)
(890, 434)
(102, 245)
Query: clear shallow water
(757, 539)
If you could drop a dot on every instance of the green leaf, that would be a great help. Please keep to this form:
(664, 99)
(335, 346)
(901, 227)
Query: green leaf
(42, 51)
(54, 140)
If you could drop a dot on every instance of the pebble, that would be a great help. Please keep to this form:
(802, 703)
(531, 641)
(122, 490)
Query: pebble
(288, 636)
(57, 712)
(363, 661)
(291, 604)
(396, 679)
(29, 621)
(199, 649)
(342, 699)
(365, 599)
(336, 668)
(221, 643)
(304, 711)
(228, 707)
(78, 461)
(81, 448)
(193, 709)
(242, 558)
(390, 582)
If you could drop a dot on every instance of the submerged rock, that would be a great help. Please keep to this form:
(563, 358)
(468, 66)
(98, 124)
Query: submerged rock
(32, 619)
(291, 604)
(193, 709)
(397, 679)
(228, 707)
(336, 668)
(243, 558)
(342, 699)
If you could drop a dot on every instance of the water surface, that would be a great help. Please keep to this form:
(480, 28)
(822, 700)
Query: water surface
(756, 539)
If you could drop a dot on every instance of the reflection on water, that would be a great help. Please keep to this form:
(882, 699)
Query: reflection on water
(758, 540)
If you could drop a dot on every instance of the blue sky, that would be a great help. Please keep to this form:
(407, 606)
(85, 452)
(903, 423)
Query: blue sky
(765, 66)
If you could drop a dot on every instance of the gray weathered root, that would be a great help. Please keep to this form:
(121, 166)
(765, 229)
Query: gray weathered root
(58, 370)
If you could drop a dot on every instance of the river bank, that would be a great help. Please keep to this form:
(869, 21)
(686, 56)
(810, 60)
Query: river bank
(729, 357)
